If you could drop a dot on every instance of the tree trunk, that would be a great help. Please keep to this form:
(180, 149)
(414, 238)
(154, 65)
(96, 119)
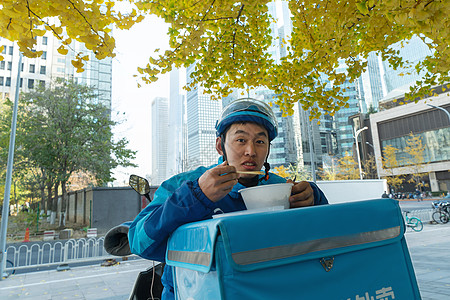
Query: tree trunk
(54, 205)
(62, 215)
(42, 205)
(48, 208)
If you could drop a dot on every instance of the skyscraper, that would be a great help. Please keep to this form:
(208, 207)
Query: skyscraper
(372, 84)
(202, 114)
(160, 119)
(175, 126)
(414, 51)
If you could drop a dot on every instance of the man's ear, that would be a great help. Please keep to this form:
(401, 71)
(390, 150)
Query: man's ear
(219, 145)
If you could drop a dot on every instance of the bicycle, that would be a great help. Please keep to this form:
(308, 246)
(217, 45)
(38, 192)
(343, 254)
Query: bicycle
(441, 212)
(413, 222)
(9, 269)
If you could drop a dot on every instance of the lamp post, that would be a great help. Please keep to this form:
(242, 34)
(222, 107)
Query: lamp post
(357, 132)
(443, 109)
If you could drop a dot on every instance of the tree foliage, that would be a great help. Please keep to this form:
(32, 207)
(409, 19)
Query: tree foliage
(61, 130)
(64, 130)
(89, 22)
(416, 160)
(230, 41)
(295, 172)
(390, 162)
(348, 168)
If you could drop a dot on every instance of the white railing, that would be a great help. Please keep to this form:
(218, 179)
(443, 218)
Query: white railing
(425, 215)
(56, 253)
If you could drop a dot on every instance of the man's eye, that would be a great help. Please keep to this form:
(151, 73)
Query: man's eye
(241, 140)
(261, 142)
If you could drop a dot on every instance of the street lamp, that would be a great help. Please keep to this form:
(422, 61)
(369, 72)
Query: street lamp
(443, 109)
(357, 132)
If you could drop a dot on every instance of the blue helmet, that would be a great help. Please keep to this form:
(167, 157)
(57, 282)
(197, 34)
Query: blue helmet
(248, 110)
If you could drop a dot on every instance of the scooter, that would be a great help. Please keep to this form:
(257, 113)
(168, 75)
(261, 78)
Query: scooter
(148, 284)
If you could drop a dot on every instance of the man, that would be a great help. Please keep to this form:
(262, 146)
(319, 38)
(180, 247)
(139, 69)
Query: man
(244, 132)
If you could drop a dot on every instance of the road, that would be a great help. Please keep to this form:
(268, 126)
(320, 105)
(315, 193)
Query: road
(415, 205)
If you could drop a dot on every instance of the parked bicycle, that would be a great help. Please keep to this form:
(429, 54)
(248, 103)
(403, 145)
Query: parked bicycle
(9, 269)
(413, 222)
(441, 212)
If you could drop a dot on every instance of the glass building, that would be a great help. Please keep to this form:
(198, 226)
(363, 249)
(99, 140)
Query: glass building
(202, 114)
(160, 130)
(393, 126)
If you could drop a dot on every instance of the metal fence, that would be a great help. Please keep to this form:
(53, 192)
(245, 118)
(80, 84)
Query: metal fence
(425, 215)
(55, 253)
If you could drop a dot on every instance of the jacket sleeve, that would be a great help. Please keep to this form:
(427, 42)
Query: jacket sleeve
(319, 196)
(170, 208)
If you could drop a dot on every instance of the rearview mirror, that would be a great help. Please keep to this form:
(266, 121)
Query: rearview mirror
(139, 184)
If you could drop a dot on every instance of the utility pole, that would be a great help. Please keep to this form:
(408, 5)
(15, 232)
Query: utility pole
(9, 168)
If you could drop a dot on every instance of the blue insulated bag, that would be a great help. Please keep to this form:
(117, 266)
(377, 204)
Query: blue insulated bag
(348, 251)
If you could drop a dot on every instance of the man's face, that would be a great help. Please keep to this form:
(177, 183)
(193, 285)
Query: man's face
(246, 147)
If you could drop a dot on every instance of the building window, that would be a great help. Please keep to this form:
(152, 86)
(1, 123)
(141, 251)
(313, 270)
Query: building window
(42, 83)
(1, 80)
(2, 65)
(4, 49)
(21, 82)
(30, 83)
(60, 70)
(42, 70)
(9, 65)
(31, 68)
(44, 40)
(11, 50)
(44, 55)
(61, 60)
(8, 81)
(21, 68)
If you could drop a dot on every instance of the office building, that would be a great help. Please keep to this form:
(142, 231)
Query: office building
(202, 114)
(51, 65)
(160, 128)
(393, 125)
(175, 127)
(414, 51)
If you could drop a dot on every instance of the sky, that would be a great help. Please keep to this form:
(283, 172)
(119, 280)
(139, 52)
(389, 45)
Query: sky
(133, 49)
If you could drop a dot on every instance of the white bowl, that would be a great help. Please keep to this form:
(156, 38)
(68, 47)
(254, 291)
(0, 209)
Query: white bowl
(267, 195)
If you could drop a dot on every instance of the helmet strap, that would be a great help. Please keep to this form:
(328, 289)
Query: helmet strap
(222, 144)
(266, 167)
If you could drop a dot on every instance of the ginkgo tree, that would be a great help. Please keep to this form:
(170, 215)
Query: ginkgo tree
(229, 40)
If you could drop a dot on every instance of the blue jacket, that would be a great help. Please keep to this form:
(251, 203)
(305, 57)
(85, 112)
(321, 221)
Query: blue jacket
(179, 200)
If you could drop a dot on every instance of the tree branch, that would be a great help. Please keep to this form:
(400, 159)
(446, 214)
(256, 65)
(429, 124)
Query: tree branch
(234, 33)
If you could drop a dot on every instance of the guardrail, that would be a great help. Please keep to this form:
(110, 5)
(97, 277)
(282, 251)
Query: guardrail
(56, 253)
(425, 215)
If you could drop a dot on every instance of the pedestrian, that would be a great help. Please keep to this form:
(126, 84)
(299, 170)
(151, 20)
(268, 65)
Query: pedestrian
(384, 195)
(244, 131)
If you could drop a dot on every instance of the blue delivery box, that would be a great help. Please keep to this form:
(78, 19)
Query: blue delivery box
(348, 251)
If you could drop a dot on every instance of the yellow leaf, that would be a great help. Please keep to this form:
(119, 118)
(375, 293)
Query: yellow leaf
(62, 50)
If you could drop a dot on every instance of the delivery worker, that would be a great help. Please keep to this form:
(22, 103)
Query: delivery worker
(244, 131)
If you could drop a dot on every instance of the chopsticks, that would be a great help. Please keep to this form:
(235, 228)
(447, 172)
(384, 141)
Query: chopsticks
(251, 172)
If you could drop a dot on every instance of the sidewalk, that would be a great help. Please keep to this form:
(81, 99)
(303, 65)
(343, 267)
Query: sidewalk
(91, 282)
(430, 255)
(429, 251)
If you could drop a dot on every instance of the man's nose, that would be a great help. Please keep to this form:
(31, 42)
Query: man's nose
(250, 149)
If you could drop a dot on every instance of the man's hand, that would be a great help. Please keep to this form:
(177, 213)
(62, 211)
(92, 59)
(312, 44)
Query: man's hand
(217, 182)
(302, 194)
